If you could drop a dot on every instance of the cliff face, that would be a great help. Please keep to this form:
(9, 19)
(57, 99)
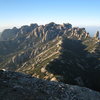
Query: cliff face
(17, 86)
(52, 52)
(43, 32)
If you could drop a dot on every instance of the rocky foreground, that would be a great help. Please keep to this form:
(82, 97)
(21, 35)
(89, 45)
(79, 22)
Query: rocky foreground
(18, 86)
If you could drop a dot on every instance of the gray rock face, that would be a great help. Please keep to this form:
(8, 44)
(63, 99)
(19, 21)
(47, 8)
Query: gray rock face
(43, 33)
(9, 33)
(17, 86)
(79, 33)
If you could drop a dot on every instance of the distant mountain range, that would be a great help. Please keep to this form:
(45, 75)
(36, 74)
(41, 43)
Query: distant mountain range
(55, 52)
(90, 29)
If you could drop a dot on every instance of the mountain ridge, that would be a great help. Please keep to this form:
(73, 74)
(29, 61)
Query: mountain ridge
(52, 52)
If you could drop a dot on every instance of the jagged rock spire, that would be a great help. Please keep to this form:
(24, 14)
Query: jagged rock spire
(96, 35)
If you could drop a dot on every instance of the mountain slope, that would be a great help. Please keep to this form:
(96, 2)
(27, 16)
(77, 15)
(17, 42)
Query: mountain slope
(53, 52)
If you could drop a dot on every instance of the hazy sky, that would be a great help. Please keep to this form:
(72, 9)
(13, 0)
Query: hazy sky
(76, 12)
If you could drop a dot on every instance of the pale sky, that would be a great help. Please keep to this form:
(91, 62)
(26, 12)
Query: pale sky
(25, 12)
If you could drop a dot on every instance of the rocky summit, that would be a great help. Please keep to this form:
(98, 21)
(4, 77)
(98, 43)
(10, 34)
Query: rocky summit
(17, 86)
(53, 52)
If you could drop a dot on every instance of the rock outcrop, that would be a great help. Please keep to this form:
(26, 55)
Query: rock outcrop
(96, 35)
(17, 86)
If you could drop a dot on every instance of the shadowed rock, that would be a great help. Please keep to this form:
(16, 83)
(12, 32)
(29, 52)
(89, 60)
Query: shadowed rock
(17, 86)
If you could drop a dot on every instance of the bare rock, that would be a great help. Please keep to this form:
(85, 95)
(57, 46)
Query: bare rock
(17, 86)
